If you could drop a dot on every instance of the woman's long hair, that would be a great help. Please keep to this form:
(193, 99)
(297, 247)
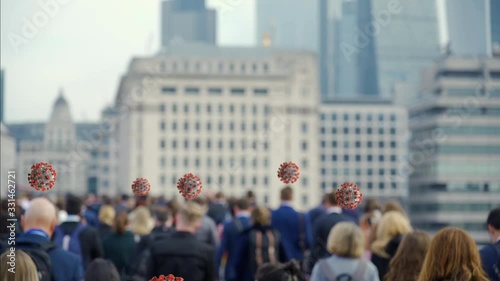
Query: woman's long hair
(391, 225)
(452, 256)
(407, 262)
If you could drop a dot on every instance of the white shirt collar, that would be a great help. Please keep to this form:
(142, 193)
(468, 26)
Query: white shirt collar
(334, 209)
(72, 218)
(245, 214)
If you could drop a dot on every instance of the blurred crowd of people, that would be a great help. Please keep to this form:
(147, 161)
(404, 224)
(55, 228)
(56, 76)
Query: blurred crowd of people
(213, 237)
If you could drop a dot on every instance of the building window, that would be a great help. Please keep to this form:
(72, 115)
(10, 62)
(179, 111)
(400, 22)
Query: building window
(381, 172)
(381, 158)
(186, 144)
(254, 126)
(346, 130)
(231, 108)
(334, 117)
(174, 162)
(380, 131)
(334, 158)
(215, 91)
(381, 144)
(393, 172)
(323, 158)
(358, 131)
(393, 158)
(174, 144)
(358, 158)
(197, 144)
(186, 126)
(369, 144)
(237, 91)
(358, 117)
(186, 108)
(162, 143)
(197, 126)
(162, 108)
(369, 158)
(346, 117)
(265, 67)
(393, 131)
(169, 90)
(334, 143)
(209, 144)
(381, 185)
(346, 144)
(370, 185)
(162, 162)
(304, 146)
(209, 126)
(260, 92)
(358, 144)
(221, 108)
(305, 200)
(393, 117)
(163, 180)
(162, 125)
(369, 131)
(393, 144)
(369, 117)
(346, 158)
(209, 108)
(221, 127)
(381, 117)
(334, 130)
(369, 172)
(174, 108)
(192, 91)
(323, 144)
(304, 128)
(254, 109)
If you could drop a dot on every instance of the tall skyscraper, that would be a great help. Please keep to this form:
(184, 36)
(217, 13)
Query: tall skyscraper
(454, 156)
(348, 65)
(2, 103)
(368, 61)
(495, 26)
(289, 24)
(407, 41)
(229, 115)
(187, 21)
(473, 36)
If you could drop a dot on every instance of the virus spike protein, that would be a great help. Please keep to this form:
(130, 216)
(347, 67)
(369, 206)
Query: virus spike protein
(288, 172)
(169, 277)
(42, 176)
(348, 195)
(141, 187)
(189, 186)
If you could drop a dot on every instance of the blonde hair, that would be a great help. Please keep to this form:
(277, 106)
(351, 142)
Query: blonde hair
(393, 205)
(142, 222)
(453, 256)
(25, 268)
(107, 214)
(346, 240)
(261, 215)
(391, 225)
(191, 213)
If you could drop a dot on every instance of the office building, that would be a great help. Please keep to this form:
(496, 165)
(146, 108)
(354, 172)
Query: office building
(8, 159)
(495, 26)
(2, 101)
(287, 24)
(472, 37)
(455, 146)
(364, 141)
(58, 143)
(187, 21)
(229, 115)
(407, 41)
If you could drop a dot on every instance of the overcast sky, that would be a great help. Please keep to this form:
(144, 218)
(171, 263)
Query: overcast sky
(84, 46)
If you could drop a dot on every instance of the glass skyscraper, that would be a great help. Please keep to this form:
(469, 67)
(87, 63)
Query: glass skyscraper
(290, 24)
(495, 26)
(407, 40)
(187, 21)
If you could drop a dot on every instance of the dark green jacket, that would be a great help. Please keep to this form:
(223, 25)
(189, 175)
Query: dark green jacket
(120, 250)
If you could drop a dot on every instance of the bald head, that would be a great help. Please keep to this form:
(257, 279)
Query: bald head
(41, 214)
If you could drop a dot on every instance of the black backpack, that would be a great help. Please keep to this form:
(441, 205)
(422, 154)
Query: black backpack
(39, 255)
(263, 248)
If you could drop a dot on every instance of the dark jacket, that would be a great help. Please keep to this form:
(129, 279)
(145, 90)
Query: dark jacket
(382, 263)
(217, 212)
(321, 230)
(120, 249)
(244, 266)
(89, 242)
(182, 255)
(65, 265)
(104, 230)
(229, 240)
(294, 229)
(489, 257)
(316, 213)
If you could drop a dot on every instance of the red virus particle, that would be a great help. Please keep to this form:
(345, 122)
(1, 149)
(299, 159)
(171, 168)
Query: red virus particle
(348, 195)
(288, 172)
(42, 176)
(189, 186)
(141, 187)
(169, 277)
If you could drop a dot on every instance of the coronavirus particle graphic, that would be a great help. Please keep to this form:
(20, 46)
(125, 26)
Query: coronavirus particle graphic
(141, 187)
(288, 172)
(169, 277)
(189, 186)
(348, 196)
(42, 176)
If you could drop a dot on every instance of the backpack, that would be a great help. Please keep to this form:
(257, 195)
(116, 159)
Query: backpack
(39, 255)
(496, 267)
(332, 276)
(71, 242)
(263, 248)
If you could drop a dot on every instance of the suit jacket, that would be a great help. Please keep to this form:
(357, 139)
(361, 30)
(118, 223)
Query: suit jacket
(321, 230)
(316, 213)
(287, 221)
(66, 266)
(217, 212)
(489, 257)
(228, 245)
(89, 241)
(182, 255)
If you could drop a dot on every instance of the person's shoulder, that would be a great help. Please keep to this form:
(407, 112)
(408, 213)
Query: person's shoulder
(488, 251)
(66, 257)
(370, 267)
